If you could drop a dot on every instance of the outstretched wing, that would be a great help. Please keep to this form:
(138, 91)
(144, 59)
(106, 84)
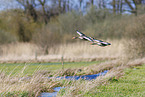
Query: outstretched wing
(104, 43)
(80, 33)
(88, 38)
(100, 42)
(96, 40)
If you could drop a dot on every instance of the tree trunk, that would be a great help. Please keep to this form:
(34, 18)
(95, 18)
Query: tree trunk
(68, 5)
(59, 5)
(44, 11)
(114, 7)
(92, 2)
(64, 6)
(121, 7)
(134, 10)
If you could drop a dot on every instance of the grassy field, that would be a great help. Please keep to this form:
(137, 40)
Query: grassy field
(31, 79)
(131, 84)
(30, 68)
(123, 79)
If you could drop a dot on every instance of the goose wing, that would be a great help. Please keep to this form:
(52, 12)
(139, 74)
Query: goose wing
(96, 40)
(81, 34)
(104, 44)
(88, 38)
(100, 42)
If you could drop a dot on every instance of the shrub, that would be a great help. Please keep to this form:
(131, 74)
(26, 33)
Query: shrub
(6, 37)
(135, 34)
(111, 27)
(15, 22)
(70, 22)
(23, 28)
(46, 38)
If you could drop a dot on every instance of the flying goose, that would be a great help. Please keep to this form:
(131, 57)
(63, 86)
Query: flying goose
(93, 41)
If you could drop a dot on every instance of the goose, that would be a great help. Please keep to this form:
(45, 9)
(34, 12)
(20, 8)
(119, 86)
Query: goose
(93, 41)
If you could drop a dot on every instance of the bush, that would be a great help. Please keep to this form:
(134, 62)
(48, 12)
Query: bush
(16, 23)
(112, 27)
(70, 22)
(6, 37)
(135, 35)
(23, 28)
(46, 38)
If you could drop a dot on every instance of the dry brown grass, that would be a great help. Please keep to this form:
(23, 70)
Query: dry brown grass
(86, 50)
(18, 50)
(33, 86)
(79, 51)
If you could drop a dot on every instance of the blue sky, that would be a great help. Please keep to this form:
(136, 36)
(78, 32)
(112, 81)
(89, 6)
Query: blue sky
(9, 4)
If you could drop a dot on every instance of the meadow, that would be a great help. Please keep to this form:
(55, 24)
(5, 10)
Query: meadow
(31, 51)
(121, 80)
(32, 79)
(30, 68)
(131, 84)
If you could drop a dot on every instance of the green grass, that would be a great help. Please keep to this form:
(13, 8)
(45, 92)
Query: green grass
(30, 68)
(132, 84)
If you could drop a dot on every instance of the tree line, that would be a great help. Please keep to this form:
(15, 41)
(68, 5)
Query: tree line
(49, 22)
(45, 9)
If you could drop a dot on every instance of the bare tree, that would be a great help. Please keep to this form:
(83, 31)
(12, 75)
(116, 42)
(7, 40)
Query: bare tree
(134, 10)
(92, 2)
(99, 4)
(103, 4)
(42, 3)
(121, 4)
(64, 6)
(29, 6)
(114, 6)
(59, 5)
(68, 5)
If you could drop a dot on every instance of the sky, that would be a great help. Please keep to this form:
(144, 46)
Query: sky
(10, 4)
